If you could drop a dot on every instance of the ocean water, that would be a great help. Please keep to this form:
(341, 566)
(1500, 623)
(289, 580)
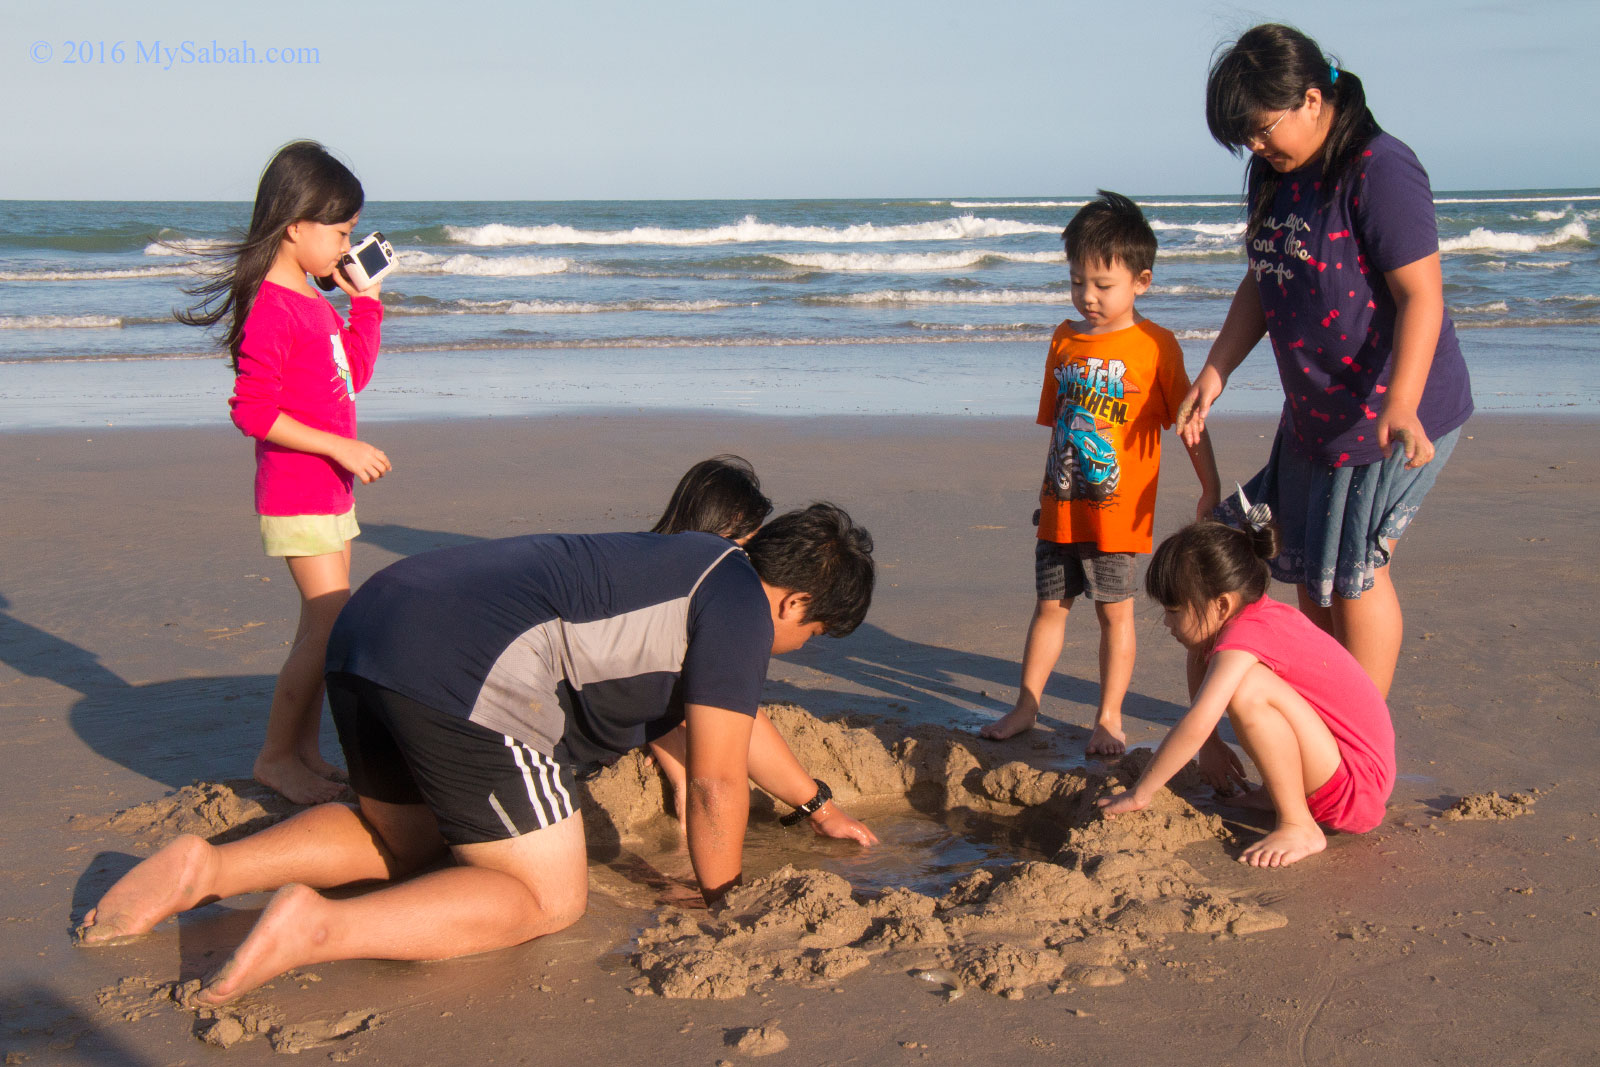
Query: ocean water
(773, 306)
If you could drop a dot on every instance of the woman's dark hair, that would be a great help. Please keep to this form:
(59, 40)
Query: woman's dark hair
(820, 551)
(720, 495)
(303, 182)
(1270, 69)
(1110, 230)
(1206, 559)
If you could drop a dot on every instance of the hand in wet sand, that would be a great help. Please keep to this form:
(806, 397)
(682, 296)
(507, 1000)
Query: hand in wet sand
(830, 821)
(1122, 804)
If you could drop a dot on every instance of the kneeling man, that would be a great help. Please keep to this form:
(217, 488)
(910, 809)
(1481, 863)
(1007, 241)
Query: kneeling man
(467, 684)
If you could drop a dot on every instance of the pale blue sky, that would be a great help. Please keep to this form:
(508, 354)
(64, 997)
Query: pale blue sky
(709, 99)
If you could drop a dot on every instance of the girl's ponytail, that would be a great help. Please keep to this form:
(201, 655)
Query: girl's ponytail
(1271, 68)
(1206, 559)
(302, 182)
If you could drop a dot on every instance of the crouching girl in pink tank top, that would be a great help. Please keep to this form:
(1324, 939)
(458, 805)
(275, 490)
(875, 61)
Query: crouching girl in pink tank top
(1310, 718)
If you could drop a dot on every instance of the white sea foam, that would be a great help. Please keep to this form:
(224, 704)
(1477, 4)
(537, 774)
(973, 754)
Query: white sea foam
(1190, 290)
(954, 296)
(109, 274)
(482, 266)
(1510, 199)
(747, 229)
(1524, 264)
(59, 322)
(560, 307)
(1011, 203)
(1482, 239)
(1196, 335)
(1492, 307)
(892, 262)
(977, 327)
(184, 248)
(1230, 230)
(1080, 203)
(1550, 216)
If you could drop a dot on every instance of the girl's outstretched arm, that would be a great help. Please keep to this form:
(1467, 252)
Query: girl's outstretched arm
(1227, 670)
(1245, 325)
(1418, 290)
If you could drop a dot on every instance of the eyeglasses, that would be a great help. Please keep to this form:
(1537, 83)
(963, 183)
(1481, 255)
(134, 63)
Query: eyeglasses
(1261, 135)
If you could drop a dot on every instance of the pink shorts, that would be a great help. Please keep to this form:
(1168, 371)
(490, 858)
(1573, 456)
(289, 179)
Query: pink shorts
(1341, 803)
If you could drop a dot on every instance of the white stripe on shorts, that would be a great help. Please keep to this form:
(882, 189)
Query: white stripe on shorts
(549, 800)
(505, 820)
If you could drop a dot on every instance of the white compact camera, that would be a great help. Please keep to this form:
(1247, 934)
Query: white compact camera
(364, 264)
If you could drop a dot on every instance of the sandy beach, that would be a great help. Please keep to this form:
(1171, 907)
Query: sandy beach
(141, 629)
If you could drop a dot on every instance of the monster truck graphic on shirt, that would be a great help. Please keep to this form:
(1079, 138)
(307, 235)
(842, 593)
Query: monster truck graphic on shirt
(1082, 464)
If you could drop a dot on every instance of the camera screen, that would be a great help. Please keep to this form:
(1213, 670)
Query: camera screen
(372, 259)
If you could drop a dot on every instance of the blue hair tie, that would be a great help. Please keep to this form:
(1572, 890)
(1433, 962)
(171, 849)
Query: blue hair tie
(1333, 72)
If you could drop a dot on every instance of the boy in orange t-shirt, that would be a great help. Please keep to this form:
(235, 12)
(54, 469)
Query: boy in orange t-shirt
(1112, 383)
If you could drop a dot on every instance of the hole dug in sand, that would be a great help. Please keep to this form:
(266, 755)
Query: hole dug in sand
(1113, 889)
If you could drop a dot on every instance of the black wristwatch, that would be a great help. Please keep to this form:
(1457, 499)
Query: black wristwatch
(810, 807)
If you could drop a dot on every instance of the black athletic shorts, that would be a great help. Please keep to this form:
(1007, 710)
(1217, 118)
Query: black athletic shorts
(481, 785)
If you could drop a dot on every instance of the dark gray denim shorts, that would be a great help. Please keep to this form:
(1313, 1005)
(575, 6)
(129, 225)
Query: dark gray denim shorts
(1065, 572)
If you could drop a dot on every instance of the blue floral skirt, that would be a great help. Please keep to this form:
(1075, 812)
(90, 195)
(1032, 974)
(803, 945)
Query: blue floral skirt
(1337, 525)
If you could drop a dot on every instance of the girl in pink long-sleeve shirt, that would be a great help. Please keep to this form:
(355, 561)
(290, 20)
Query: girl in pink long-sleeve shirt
(298, 370)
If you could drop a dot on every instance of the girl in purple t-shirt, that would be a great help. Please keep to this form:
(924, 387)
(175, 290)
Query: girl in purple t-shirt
(1312, 721)
(297, 370)
(1344, 280)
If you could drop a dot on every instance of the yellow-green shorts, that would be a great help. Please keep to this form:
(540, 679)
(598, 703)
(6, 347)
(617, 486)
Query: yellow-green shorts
(307, 535)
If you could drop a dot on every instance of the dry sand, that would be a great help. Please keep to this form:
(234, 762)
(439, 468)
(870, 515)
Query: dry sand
(142, 629)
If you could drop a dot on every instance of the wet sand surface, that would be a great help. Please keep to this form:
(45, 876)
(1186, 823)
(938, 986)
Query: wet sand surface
(140, 630)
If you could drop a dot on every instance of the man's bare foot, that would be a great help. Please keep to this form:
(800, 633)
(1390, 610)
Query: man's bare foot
(286, 936)
(175, 879)
(1014, 722)
(295, 781)
(1285, 845)
(1106, 741)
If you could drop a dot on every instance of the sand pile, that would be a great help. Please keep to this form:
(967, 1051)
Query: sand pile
(1114, 888)
(233, 1024)
(217, 811)
(1491, 806)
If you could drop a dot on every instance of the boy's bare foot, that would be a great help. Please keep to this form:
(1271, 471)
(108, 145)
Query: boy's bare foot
(1285, 845)
(1106, 742)
(174, 879)
(286, 936)
(295, 781)
(322, 768)
(1014, 722)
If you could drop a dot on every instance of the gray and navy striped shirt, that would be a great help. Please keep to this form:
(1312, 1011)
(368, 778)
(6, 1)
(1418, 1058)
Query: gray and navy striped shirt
(581, 646)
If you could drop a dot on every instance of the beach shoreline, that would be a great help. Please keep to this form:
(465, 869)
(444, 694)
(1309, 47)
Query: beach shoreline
(142, 628)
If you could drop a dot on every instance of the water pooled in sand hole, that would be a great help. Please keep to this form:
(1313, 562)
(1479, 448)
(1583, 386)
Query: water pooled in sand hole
(923, 852)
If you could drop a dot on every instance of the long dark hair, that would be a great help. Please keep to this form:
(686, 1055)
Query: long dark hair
(303, 182)
(1270, 68)
(720, 495)
(1206, 559)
